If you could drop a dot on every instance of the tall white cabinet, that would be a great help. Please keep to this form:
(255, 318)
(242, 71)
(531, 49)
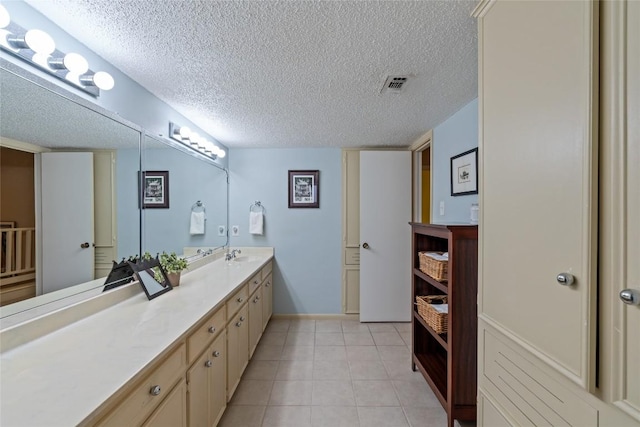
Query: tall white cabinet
(559, 235)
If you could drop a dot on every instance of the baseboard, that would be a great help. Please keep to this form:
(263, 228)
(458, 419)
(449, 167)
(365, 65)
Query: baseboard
(301, 316)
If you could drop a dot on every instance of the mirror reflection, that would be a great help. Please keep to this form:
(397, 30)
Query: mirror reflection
(185, 200)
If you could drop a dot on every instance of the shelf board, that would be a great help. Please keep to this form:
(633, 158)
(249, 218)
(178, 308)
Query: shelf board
(433, 282)
(442, 339)
(434, 369)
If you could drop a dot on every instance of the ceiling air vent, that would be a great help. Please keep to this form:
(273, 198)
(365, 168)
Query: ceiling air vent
(394, 84)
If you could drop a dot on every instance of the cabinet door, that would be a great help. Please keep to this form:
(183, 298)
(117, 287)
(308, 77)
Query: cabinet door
(172, 412)
(255, 319)
(267, 300)
(218, 379)
(197, 398)
(538, 172)
(237, 349)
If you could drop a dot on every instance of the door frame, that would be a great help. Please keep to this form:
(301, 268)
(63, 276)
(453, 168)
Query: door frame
(419, 145)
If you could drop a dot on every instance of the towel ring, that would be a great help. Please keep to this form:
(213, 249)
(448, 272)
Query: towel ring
(198, 207)
(258, 206)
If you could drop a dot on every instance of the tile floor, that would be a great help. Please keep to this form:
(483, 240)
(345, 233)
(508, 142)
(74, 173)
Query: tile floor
(333, 373)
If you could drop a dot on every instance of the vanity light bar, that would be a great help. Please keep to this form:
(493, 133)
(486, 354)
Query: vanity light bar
(195, 142)
(38, 48)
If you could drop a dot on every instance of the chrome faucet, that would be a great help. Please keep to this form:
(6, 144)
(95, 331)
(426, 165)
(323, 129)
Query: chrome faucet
(232, 255)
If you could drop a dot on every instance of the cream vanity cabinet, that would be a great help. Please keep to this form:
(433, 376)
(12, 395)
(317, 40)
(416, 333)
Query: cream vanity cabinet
(255, 314)
(267, 296)
(237, 338)
(559, 236)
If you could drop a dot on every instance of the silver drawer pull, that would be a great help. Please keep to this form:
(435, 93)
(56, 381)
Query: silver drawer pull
(208, 363)
(212, 329)
(240, 299)
(238, 324)
(255, 282)
(155, 390)
(216, 353)
(255, 300)
(268, 284)
(242, 318)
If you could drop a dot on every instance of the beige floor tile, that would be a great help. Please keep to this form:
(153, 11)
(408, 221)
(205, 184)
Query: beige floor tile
(295, 370)
(387, 338)
(300, 338)
(403, 326)
(291, 393)
(273, 338)
(416, 394)
(278, 325)
(426, 417)
(406, 337)
(252, 392)
(375, 393)
(261, 370)
(267, 352)
(330, 352)
(381, 327)
(242, 416)
(354, 326)
(394, 352)
(402, 371)
(297, 352)
(331, 370)
(358, 338)
(328, 326)
(329, 338)
(333, 393)
(382, 417)
(362, 352)
(287, 416)
(367, 370)
(302, 325)
(334, 416)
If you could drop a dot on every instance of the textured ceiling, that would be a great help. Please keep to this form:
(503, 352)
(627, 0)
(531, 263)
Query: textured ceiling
(289, 73)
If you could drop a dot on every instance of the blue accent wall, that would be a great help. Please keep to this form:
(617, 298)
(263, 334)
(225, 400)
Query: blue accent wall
(459, 133)
(307, 272)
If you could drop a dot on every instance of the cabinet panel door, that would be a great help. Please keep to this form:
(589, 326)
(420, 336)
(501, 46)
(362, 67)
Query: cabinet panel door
(218, 379)
(197, 399)
(255, 319)
(267, 300)
(172, 412)
(538, 172)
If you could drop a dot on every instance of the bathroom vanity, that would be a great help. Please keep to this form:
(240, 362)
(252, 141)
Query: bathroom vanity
(175, 360)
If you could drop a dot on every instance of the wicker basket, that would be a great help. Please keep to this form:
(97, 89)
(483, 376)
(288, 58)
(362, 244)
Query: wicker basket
(436, 320)
(433, 267)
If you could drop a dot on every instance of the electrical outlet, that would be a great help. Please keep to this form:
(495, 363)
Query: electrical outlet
(235, 230)
(442, 207)
(222, 230)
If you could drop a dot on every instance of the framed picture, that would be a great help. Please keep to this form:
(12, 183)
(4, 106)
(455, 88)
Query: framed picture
(304, 189)
(464, 173)
(152, 277)
(155, 189)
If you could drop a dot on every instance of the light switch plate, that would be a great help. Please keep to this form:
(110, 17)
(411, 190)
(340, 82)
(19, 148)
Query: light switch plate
(235, 230)
(222, 230)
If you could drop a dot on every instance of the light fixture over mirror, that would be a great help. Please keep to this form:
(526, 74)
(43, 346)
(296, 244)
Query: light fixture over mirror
(38, 48)
(195, 142)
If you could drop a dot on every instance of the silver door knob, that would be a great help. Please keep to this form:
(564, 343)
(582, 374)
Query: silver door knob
(565, 279)
(365, 245)
(155, 390)
(630, 296)
(242, 318)
(208, 363)
(238, 324)
(85, 245)
(216, 354)
(240, 299)
(212, 330)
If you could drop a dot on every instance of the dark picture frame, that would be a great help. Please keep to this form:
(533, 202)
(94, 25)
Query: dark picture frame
(304, 189)
(152, 277)
(464, 173)
(154, 191)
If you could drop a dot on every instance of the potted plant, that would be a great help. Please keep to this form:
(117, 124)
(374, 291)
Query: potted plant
(172, 265)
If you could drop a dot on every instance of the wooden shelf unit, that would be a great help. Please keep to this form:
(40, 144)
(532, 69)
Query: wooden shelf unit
(448, 361)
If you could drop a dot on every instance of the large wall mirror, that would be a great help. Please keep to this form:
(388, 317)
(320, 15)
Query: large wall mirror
(75, 206)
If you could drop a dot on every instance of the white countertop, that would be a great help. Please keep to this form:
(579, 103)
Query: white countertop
(61, 378)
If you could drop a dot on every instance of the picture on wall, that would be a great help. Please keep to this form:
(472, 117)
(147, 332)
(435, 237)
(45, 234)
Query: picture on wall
(464, 173)
(304, 187)
(155, 189)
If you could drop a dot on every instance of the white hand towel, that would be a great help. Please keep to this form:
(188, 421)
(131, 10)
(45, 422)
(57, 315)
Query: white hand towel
(197, 223)
(255, 223)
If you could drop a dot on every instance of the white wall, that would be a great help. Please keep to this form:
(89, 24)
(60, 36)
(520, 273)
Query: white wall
(459, 133)
(307, 269)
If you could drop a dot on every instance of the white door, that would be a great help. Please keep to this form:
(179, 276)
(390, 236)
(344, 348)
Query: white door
(385, 234)
(67, 220)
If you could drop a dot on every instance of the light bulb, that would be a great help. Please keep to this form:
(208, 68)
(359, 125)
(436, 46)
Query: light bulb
(39, 42)
(5, 18)
(185, 132)
(73, 78)
(103, 80)
(76, 63)
(42, 59)
(194, 137)
(222, 154)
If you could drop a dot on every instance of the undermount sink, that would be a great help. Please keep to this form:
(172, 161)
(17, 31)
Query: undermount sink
(245, 258)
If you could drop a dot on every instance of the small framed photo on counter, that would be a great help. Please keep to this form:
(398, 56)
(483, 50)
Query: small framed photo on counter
(304, 189)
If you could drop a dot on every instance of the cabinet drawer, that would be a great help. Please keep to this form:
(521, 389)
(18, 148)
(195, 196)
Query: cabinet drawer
(149, 393)
(210, 329)
(527, 394)
(237, 300)
(254, 282)
(267, 269)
